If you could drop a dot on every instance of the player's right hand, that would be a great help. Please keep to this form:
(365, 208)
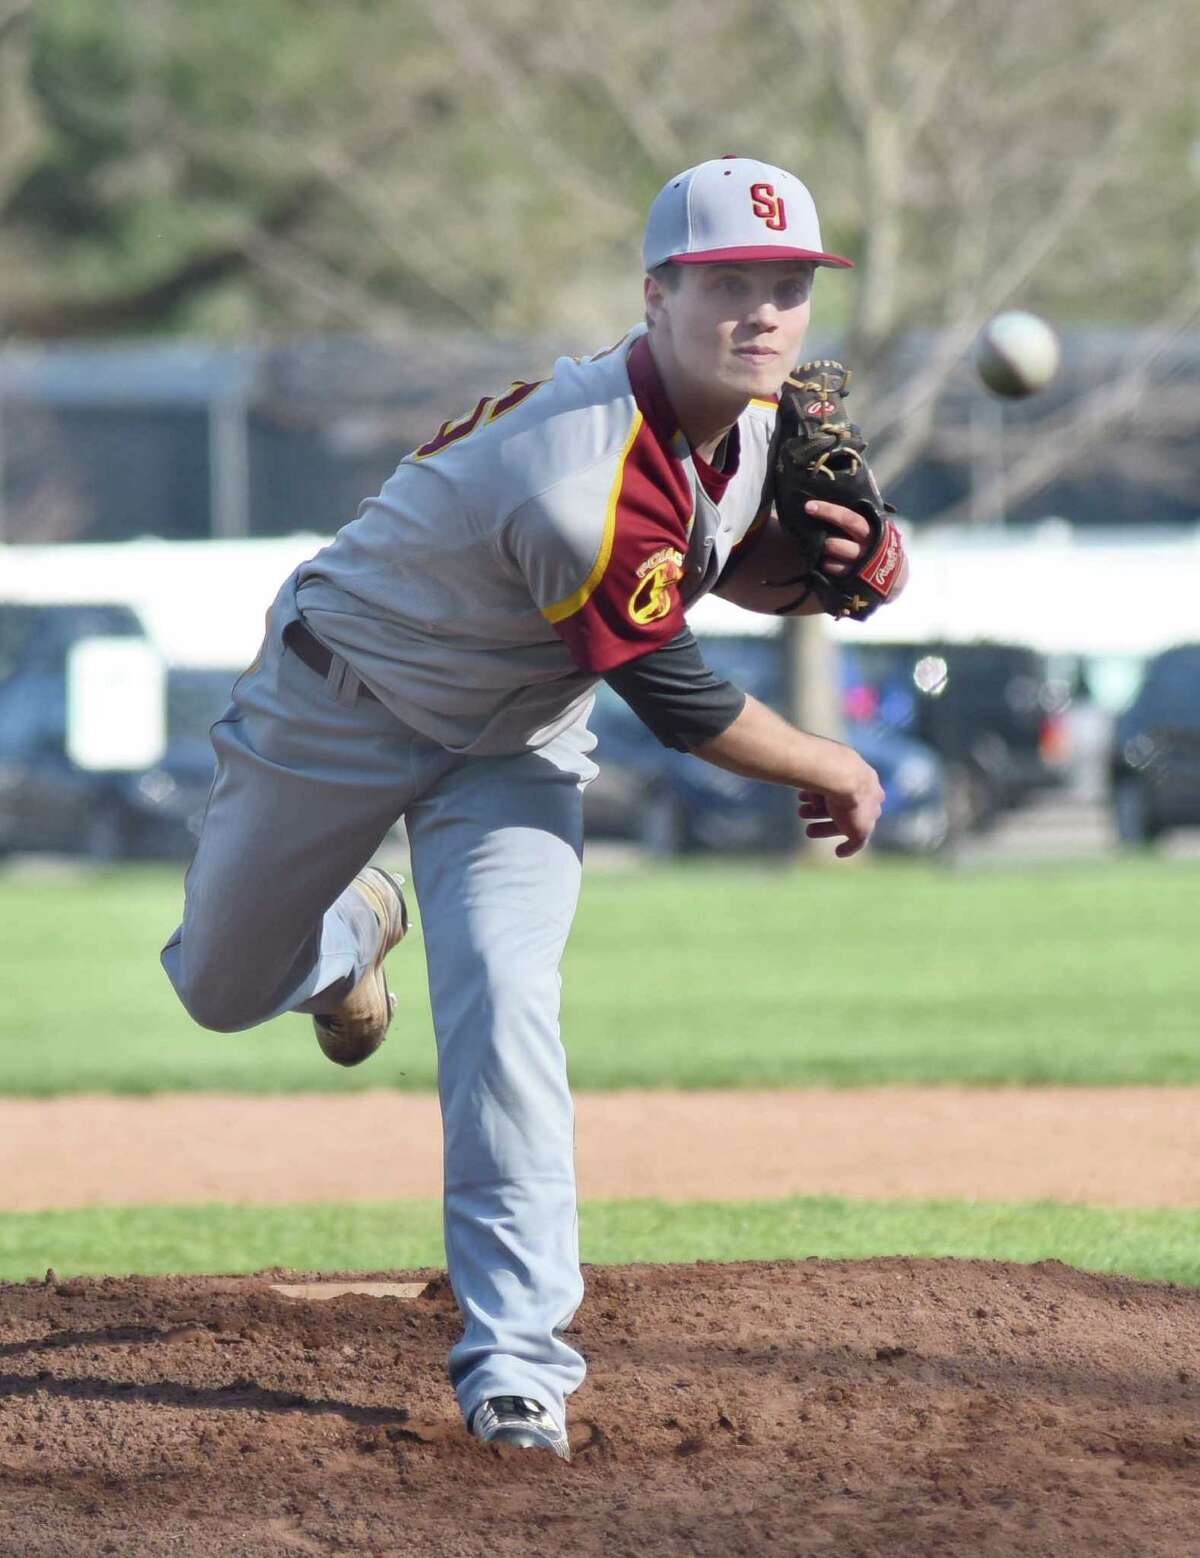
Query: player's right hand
(848, 810)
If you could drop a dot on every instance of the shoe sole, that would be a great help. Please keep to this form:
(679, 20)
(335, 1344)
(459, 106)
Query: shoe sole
(395, 930)
(394, 934)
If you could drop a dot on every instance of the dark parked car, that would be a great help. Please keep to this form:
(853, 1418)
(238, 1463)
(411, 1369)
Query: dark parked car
(672, 803)
(39, 638)
(994, 713)
(48, 802)
(1155, 767)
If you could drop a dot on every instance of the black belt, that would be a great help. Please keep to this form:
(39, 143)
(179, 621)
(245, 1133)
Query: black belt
(306, 646)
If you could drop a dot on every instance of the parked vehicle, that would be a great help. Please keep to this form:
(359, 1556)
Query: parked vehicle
(672, 803)
(48, 800)
(1155, 765)
(994, 713)
(36, 638)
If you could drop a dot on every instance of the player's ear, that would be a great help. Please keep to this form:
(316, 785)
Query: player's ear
(654, 294)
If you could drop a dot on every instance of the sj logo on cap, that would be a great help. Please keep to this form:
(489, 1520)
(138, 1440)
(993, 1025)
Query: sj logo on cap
(769, 206)
(651, 598)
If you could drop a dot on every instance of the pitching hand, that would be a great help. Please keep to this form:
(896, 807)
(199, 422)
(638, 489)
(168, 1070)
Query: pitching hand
(849, 811)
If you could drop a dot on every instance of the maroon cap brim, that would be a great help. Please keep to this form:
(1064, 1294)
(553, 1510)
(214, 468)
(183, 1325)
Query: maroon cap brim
(766, 251)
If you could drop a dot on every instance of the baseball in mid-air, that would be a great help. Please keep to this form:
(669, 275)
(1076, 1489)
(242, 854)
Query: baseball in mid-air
(1017, 354)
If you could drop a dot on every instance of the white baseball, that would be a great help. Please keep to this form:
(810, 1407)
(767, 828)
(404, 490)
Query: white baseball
(1017, 354)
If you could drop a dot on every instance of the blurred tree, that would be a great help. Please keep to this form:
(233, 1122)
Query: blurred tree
(20, 125)
(175, 159)
(282, 166)
(997, 153)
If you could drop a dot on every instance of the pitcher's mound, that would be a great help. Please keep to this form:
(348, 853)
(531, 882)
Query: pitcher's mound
(887, 1407)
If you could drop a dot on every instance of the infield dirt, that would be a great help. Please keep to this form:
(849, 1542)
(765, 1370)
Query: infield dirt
(889, 1407)
(1116, 1146)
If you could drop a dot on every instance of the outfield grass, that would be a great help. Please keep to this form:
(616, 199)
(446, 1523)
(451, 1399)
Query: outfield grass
(1162, 1244)
(690, 976)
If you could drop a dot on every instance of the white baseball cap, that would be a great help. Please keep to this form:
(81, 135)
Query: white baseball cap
(734, 209)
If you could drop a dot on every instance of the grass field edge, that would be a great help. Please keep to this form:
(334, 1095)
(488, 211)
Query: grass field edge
(1156, 1243)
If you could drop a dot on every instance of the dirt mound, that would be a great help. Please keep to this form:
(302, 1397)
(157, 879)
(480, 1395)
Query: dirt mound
(883, 1407)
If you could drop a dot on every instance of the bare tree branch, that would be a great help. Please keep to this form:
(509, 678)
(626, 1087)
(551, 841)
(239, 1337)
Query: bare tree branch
(1064, 439)
(332, 298)
(478, 47)
(911, 409)
(410, 246)
(21, 127)
(637, 109)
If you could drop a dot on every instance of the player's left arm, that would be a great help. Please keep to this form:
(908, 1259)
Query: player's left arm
(752, 576)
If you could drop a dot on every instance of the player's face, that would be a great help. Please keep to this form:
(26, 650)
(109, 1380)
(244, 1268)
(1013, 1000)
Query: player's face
(733, 328)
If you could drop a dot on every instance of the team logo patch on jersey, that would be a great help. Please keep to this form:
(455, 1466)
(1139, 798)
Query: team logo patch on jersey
(652, 598)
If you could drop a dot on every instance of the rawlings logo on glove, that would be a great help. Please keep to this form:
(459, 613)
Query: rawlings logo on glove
(816, 452)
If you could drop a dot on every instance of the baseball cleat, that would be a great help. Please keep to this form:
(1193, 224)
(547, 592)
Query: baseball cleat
(518, 1421)
(358, 1026)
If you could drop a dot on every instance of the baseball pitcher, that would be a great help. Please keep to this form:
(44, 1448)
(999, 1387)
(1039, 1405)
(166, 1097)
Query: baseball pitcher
(437, 661)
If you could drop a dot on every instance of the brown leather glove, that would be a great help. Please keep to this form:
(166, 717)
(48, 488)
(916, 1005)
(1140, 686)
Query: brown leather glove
(817, 452)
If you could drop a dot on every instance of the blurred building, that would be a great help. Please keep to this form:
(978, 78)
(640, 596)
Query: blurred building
(189, 441)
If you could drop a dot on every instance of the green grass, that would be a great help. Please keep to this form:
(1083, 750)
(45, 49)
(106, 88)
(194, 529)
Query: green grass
(1157, 1243)
(691, 976)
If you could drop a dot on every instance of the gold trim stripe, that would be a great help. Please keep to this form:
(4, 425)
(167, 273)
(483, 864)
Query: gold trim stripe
(573, 603)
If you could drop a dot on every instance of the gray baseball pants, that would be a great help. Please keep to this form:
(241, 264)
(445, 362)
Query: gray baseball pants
(310, 777)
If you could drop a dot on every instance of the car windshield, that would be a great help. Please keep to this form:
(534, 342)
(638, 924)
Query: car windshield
(40, 637)
(878, 662)
(16, 625)
(753, 664)
(1177, 673)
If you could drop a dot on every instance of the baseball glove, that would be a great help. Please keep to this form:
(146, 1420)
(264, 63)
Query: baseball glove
(816, 452)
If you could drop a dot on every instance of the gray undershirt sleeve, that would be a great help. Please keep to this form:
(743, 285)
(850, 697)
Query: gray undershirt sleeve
(675, 695)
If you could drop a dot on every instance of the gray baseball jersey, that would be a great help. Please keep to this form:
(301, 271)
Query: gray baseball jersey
(558, 530)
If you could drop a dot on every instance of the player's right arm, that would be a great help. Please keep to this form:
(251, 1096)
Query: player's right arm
(840, 793)
(626, 623)
(678, 698)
